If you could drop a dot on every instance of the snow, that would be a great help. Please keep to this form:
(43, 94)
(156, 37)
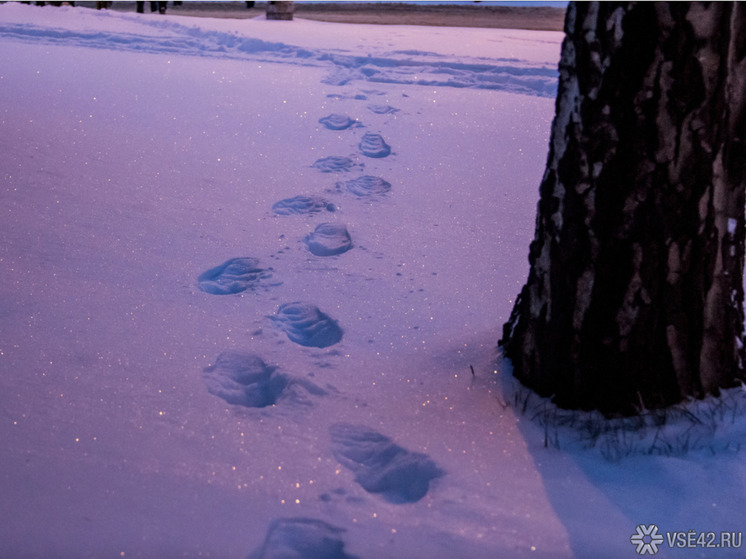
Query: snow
(248, 267)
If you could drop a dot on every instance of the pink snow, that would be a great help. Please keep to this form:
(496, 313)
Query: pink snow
(140, 151)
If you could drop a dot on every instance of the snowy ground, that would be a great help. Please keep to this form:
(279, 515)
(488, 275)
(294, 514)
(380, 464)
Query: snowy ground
(152, 407)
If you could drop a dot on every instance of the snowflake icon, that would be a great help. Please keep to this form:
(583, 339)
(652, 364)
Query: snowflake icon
(646, 539)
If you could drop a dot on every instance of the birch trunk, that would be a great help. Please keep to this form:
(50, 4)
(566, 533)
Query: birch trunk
(635, 291)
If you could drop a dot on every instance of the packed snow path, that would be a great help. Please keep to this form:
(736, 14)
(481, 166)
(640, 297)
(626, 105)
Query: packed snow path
(182, 37)
(248, 269)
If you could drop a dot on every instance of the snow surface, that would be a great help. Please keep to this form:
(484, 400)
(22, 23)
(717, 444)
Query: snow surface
(247, 268)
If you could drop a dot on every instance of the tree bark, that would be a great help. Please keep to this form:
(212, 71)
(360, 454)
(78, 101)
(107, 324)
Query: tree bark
(635, 293)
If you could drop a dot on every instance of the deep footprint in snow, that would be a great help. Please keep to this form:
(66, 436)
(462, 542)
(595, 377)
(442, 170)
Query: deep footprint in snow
(337, 122)
(244, 379)
(333, 164)
(234, 276)
(306, 325)
(302, 538)
(329, 239)
(298, 205)
(366, 186)
(382, 109)
(372, 145)
(381, 466)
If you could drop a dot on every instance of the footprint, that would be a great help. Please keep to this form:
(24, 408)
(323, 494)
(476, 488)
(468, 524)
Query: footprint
(337, 122)
(234, 276)
(366, 186)
(333, 164)
(302, 538)
(372, 145)
(306, 325)
(244, 379)
(302, 205)
(382, 109)
(328, 239)
(381, 466)
(373, 92)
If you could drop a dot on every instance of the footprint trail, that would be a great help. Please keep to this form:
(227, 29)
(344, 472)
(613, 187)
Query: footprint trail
(244, 379)
(298, 205)
(382, 109)
(302, 538)
(365, 186)
(329, 239)
(372, 145)
(333, 164)
(236, 275)
(381, 466)
(306, 325)
(338, 122)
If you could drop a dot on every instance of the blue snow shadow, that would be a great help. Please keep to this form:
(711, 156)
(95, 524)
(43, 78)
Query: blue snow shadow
(302, 538)
(381, 466)
(306, 325)
(244, 379)
(328, 239)
(236, 275)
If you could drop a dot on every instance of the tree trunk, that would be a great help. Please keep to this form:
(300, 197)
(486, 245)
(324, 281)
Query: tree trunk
(635, 292)
(280, 10)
